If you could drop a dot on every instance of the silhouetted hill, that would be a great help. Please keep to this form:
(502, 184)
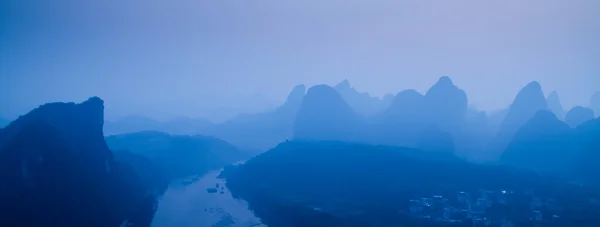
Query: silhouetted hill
(544, 143)
(595, 103)
(262, 130)
(587, 137)
(407, 119)
(528, 102)
(185, 126)
(149, 173)
(386, 101)
(257, 131)
(361, 102)
(3, 122)
(359, 182)
(447, 108)
(402, 122)
(324, 115)
(433, 139)
(495, 119)
(578, 115)
(446, 105)
(56, 170)
(476, 132)
(407, 103)
(180, 156)
(81, 124)
(177, 126)
(554, 105)
(293, 100)
(129, 124)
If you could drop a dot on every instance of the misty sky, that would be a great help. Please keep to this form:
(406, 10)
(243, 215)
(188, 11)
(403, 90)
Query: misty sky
(196, 57)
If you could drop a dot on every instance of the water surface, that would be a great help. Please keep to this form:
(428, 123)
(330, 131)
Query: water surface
(187, 203)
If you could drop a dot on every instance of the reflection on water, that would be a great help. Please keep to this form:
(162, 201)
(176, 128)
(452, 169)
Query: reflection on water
(194, 202)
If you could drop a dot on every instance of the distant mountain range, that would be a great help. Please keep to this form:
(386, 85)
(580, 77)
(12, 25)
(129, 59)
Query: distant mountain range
(179, 156)
(409, 120)
(547, 144)
(555, 105)
(342, 113)
(262, 130)
(526, 104)
(136, 123)
(543, 143)
(340, 170)
(578, 115)
(249, 131)
(362, 102)
(324, 115)
(325, 146)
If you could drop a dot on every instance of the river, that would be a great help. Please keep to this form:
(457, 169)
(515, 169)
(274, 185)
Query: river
(188, 204)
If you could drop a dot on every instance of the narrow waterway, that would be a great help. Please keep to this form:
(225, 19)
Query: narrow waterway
(188, 204)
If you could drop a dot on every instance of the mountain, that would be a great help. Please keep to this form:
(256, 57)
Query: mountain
(528, 102)
(447, 109)
(446, 105)
(595, 103)
(549, 145)
(149, 172)
(3, 122)
(406, 104)
(56, 169)
(177, 126)
(293, 100)
(477, 131)
(409, 117)
(555, 106)
(361, 102)
(578, 115)
(496, 118)
(257, 131)
(262, 130)
(287, 109)
(184, 126)
(544, 143)
(402, 122)
(324, 115)
(132, 123)
(433, 139)
(363, 184)
(81, 124)
(386, 101)
(180, 156)
(587, 136)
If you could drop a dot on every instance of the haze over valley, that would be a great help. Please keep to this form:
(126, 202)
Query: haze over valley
(270, 113)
